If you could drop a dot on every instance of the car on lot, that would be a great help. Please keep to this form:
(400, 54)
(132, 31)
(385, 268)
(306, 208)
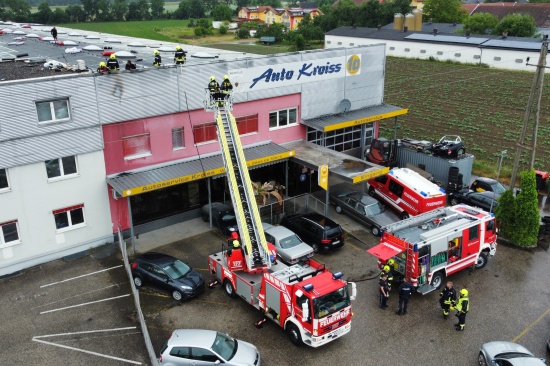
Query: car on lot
(477, 199)
(362, 207)
(482, 184)
(207, 347)
(167, 273)
(450, 146)
(320, 232)
(290, 248)
(223, 217)
(502, 353)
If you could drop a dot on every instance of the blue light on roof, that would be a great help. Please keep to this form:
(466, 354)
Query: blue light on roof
(441, 190)
(424, 193)
(337, 275)
(391, 172)
(415, 248)
(308, 287)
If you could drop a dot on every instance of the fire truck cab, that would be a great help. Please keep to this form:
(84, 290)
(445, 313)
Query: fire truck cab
(407, 192)
(428, 247)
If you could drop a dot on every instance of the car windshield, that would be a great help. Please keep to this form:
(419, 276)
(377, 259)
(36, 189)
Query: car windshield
(176, 270)
(331, 303)
(374, 209)
(509, 355)
(498, 188)
(290, 242)
(225, 346)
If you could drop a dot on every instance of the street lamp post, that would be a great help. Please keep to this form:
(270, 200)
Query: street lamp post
(502, 155)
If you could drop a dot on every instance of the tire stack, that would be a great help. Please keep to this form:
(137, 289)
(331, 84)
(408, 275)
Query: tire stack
(455, 180)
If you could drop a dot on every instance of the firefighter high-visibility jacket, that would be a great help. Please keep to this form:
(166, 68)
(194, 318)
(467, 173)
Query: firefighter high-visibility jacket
(463, 305)
(157, 61)
(179, 57)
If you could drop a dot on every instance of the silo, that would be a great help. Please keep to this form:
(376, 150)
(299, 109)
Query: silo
(417, 19)
(409, 21)
(398, 21)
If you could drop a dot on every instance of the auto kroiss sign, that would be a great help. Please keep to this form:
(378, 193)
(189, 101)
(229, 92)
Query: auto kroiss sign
(269, 76)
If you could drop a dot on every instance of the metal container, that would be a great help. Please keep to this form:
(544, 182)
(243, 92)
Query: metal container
(398, 21)
(417, 19)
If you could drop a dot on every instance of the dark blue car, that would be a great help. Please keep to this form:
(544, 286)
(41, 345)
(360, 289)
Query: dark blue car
(167, 273)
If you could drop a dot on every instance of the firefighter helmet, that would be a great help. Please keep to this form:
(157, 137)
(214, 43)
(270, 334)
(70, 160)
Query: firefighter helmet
(102, 64)
(236, 244)
(212, 78)
(156, 52)
(463, 292)
(226, 77)
(178, 48)
(391, 262)
(386, 268)
(113, 56)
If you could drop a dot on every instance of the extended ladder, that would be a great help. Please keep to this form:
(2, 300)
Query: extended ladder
(242, 195)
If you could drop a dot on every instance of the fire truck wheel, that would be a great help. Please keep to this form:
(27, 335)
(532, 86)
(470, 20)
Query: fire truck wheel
(229, 290)
(372, 192)
(375, 231)
(482, 360)
(404, 216)
(481, 261)
(177, 295)
(437, 279)
(294, 334)
(338, 209)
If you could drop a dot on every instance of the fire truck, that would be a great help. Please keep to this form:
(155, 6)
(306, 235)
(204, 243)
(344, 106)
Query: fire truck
(312, 304)
(431, 246)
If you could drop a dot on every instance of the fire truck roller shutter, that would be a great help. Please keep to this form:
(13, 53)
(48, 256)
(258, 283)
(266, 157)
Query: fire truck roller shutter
(385, 251)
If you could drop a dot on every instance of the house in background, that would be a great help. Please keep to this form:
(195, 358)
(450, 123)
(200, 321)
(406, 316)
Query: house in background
(289, 17)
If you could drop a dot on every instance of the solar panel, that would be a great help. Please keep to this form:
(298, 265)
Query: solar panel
(501, 43)
(446, 39)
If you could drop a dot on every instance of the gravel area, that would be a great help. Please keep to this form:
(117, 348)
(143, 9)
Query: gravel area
(17, 70)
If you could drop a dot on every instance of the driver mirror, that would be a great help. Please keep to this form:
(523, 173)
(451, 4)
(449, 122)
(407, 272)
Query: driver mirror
(353, 290)
(305, 311)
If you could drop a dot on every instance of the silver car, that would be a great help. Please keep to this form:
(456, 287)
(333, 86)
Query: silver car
(507, 353)
(187, 347)
(290, 248)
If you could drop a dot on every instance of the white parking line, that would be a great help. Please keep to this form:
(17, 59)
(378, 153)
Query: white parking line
(89, 352)
(83, 332)
(72, 297)
(83, 304)
(74, 278)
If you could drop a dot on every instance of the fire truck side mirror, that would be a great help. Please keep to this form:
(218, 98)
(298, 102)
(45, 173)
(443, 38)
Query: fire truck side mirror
(305, 311)
(353, 291)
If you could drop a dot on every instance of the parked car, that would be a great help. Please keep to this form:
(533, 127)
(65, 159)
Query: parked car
(477, 199)
(207, 347)
(223, 217)
(167, 273)
(320, 232)
(502, 353)
(487, 185)
(290, 248)
(362, 207)
(450, 146)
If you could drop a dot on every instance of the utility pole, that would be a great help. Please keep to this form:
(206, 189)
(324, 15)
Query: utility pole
(537, 85)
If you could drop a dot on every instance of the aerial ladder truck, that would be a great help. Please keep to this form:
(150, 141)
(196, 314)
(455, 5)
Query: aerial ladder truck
(312, 304)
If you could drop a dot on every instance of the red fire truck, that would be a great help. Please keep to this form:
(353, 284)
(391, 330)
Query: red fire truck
(407, 192)
(312, 304)
(428, 247)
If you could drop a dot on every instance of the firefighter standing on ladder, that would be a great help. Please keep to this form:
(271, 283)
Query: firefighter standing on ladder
(447, 298)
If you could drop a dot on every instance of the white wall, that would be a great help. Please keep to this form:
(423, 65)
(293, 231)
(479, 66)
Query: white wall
(31, 201)
(497, 58)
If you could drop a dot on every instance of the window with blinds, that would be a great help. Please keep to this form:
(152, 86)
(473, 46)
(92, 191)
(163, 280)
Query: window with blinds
(205, 132)
(137, 146)
(247, 124)
(177, 138)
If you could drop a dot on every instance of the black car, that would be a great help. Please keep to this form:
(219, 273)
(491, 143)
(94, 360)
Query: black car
(316, 230)
(223, 217)
(482, 184)
(477, 199)
(450, 146)
(362, 207)
(168, 273)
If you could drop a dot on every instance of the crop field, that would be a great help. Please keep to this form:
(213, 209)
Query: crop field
(485, 107)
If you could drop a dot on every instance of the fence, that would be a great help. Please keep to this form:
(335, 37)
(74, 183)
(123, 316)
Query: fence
(144, 331)
(273, 213)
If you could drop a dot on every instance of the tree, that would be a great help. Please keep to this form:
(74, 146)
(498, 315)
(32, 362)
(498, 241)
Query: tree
(43, 14)
(516, 25)
(183, 10)
(300, 42)
(309, 31)
(274, 30)
(196, 9)
(75, 13)
(222, 12)
(444, 11)
(157, 9)
(243, 33)
(19, 10)
(90, 8)
(119, 9)
(370, 14)
(59, 16)
(104, 10)
(505, 213)
(389, 8)
(143, 8)
(480, 23)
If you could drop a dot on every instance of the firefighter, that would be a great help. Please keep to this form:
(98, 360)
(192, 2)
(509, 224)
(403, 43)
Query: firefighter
(447, 298)
(226, 86)
(102, 68)
(405, 292)
(234, 236)
(384, 291)
(158, 59)
(388, 270)
(462, 308)
(112, 64)
(179, 56)
(214, 88)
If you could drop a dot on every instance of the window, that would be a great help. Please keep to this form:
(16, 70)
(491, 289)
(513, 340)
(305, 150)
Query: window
(247, 124)
(284, 117)
(396, 188)
(178, 142)
(4, 182)
(61, 167)
(205, 132)
(69, 217)
(181, 352)
(137, 146)
(53, 110)
(9, 233)
(473, 233)
(201, 354)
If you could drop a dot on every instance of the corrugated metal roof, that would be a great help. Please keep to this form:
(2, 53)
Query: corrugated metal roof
(354, 118)
(447, 39)
(153, 178)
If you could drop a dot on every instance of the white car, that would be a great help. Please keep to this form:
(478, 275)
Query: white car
(290, 248)
(502, 353)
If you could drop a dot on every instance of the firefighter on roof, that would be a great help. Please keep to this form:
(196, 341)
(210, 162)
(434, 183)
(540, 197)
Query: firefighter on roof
(179, 56)
(102, 68)
(447, 298)
(462, 308)
(158, 59)
(112, 64)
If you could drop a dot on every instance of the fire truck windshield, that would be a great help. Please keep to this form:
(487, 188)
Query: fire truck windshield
(331, 303)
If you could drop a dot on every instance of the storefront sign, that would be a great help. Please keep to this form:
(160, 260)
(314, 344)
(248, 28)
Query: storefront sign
(371, 175)
(293, 73)
(365, 120)
(323, 177)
